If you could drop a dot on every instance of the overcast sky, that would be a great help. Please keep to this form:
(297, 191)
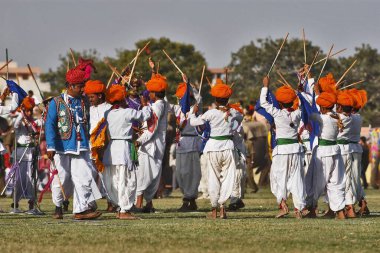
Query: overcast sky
(37, 31)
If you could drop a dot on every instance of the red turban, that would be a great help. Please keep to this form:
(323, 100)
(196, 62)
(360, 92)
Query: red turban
(116, 93)
(75, 76)
(157, 83)
(181, 90)
(345, 98)
(327, 83)
(28, 103)
(285, 94)
(94, 86)
(221, 90)
(326, 99)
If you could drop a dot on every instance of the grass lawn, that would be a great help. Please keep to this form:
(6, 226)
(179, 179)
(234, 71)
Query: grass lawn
(253, 229)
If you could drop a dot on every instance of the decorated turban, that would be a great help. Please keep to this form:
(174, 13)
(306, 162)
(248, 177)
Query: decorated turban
(157, 83)
(116, 93)
(326, 99)
(76, 76)
(181, 90)
(327, 83)
(28, 103)
(94, 86)
(345, 98)
(285, 94)
(221, 90)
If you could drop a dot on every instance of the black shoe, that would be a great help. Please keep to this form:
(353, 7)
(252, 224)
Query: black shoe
(184, 207)
(13, 205)
(236, 206)
(65, 204)
(58, 214)
(193, 205)
(31, 204)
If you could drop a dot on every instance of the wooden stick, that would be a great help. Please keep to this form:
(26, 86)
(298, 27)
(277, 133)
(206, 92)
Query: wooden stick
(283, 78)
(158, 67)
(304, 44)
(17, 78)
(226, 71)
(34, 79)
(352, 84)
(175, 65)
(324, 65)
(321, 60)
(278, 53)
(68, 65)
(208, 81)
(115, 70)
(134, 59)
(6, 64)
(345, 73)
(232, 84)
(72, 57)
(110, 80)
(311, 65)
(282, 82)
(200, 83)
(6, 60)
(133, 67)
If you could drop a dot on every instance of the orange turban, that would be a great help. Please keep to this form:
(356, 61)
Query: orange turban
(357, 99)
(285, 94)
(327, 83)
(326, 99)
(28, 103)
(221, 90)
(94, 86)
(181, 89)
(363, 95)
(157, 83)
(345, 98)
(116, 93)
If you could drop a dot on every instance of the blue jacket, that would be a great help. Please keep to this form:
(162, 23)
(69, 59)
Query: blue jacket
(61, 123)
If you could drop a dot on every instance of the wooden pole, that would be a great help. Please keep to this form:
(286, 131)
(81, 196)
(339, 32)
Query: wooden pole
(115, 71)
(134, 59)
(324, 65)
(110, 80)
(352, 84)
(304, 44)
(345, 73)
(321, 60)
(34, 79)
(175, 65)
(311, 65)
(283, 78)
(72, 57)
(208, 81)
(133, 67)
(6, 60)
(278, 53)
(6, 64)
(200, 83)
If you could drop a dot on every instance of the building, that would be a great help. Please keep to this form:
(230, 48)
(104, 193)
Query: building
(22, 77)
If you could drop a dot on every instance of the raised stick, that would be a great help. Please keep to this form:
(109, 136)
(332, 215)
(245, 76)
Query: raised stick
(304, 43)
(175, 65)
(115, 70)
(34, 79)
(134, 59)
(110, 80)
(200, 83)
(278, 53)
(133, 67)
(208, 81)
(311, 65)
(6, 64)
(324, 64)
(321, 60)
(6, 60)
(283, 78)
(352, 84)
(72, 56)
(345, 73)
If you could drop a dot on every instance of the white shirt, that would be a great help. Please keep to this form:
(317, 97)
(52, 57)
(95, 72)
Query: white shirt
(354, 135)
(97, 113)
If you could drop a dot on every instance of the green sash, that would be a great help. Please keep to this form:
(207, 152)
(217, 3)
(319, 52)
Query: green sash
(284, 141)
(323, 142)
(133, 151)
(222, 138)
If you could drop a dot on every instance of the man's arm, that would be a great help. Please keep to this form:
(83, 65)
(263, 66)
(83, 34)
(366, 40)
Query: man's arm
(269, 108)
(51, 126)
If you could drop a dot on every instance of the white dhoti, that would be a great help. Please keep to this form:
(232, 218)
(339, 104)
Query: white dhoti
(355, 191)
(148, 175)
(239, 184)
(307, 160)
(188, 173)
(286, 177)
(326, 175)
(203, 184)
(74, 172)
(221, 175)
(120, 184)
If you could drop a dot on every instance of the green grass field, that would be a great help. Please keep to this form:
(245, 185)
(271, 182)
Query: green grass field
(253, 229)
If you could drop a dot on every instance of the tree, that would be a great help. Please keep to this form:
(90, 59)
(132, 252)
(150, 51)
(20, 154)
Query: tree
(184, 55)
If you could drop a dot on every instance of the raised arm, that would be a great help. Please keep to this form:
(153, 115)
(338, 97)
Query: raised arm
(269, 108)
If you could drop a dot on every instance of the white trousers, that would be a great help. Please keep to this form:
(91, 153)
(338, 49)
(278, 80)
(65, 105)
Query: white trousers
(286, 177)
(221, 175)
(188, 173)
(326, 174)
(354, 189)
(75, 175)
(307, 159)
(239, 184)
(148, 176)
(120, 183)
(203, 184)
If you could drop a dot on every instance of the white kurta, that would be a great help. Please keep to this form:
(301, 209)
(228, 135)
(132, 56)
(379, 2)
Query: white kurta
(188, 168)
(97, 113)
(151, 151)
(326, 173)
(220, 154)
(286, 174)
(241, 168)
(119, 173)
